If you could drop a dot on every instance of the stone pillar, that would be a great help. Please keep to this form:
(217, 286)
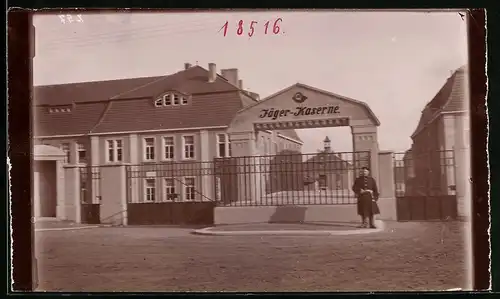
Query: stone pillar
(249, 178)
(207, 181)
(73, 193)
(462, 168)
(114, 195)
(365, 139)
(92, 183)
(134, 187)
(60, 193)
(73, 153)
(387, 198)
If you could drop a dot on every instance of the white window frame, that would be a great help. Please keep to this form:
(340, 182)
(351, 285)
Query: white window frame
(66, 148)
(164, 150)
(160, 102)
(167, 99)
(165, 186)
(322, 179)
(176, 97)
(115, 150)
(227, 145)
(80, 147)
(184, 100)
(146, 188)
(185, 187)
(145, 149)
(184, 144)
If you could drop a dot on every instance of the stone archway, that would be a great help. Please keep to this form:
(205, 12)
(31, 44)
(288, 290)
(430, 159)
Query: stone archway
(301, 106)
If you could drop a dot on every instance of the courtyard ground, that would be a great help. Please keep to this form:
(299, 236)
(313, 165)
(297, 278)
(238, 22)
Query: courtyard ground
(406, 256)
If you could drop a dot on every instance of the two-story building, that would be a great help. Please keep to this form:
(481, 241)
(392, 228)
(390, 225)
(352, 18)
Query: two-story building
(442, 129)
(175, 119)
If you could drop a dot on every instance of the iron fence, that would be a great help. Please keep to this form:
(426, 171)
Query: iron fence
(288, 178)
(430, 173)
(170, 182)
(90, 194)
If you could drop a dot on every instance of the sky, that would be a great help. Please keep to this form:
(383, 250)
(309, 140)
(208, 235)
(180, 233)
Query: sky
(395, 61)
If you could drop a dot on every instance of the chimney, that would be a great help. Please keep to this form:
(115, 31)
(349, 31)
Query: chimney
(240, 84)
(212, 72)
(231, 75)
(187, 65)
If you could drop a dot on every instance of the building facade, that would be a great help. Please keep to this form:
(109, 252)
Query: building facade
(435, 159)
(169, 123)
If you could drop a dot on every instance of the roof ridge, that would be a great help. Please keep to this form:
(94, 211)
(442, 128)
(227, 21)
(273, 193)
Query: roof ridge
(101, 118)
(98, 81)
(139, 87)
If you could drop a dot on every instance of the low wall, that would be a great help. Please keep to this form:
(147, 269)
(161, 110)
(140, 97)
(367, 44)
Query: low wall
(266, 214)
(299, 213)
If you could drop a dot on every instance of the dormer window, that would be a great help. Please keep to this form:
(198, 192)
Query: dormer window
(167, 100)
(177, 99)
(59, 109)
(172, 99)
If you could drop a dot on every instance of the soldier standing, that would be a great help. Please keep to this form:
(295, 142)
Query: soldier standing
(366, 191)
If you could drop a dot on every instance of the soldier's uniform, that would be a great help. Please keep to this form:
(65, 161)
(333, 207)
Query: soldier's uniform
(366, 205)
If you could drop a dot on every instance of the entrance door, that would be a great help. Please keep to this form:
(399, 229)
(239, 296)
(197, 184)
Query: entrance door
(47, 187)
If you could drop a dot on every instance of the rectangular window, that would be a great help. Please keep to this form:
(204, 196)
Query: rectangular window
(82, 153)
(322, 181)
(184, 100)
(150, 190)
(223, 146)
(159, 102)
(167, 100)
(149, 149)
(66, 149)
(276, 150)
(189, 189)
(168, 148)
(114, 150)
(177, 99)
(188, 147)
(170, 194)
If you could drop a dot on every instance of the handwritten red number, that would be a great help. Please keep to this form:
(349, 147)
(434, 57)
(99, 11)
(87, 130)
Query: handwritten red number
(225, 28)
(276, 28)
(240, 28)
(251, 28)
(266, 25)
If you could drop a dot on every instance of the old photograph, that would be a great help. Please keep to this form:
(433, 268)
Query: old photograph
(251, 151)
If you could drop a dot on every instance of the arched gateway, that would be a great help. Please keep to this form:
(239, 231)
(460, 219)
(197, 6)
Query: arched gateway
(300, 107)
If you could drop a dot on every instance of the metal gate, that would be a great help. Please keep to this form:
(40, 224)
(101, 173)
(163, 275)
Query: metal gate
(90, 183)
(288, 178)
(425, 185)
(173, 193)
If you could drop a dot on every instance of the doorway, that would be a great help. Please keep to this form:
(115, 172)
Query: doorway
(45, 189)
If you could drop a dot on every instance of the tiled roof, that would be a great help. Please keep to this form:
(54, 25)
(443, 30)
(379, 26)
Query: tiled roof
(192, 81)
(450, 98)
(85, 91)
(127, 105)
(80, 120)
(205, 110)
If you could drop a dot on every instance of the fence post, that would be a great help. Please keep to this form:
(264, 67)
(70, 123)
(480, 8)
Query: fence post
(114, 194)
(72, 193)
(387, 201)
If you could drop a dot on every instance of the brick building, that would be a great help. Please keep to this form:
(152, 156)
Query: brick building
(442, 129)
(179, 118)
